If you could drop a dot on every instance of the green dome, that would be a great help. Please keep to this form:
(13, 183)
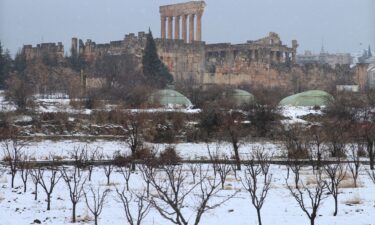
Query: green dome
(308, 98)
(240, 97)
(169, 98)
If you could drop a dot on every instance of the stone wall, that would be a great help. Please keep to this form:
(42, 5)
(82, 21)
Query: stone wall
(265, 62)
(50, 50)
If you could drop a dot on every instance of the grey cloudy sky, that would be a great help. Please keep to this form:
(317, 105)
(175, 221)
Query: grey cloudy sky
(344, 25)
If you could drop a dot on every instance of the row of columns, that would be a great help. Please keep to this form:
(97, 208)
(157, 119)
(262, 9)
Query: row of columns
(169, 20)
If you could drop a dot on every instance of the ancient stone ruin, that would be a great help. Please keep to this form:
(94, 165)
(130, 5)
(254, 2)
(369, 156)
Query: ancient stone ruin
(183, 11)
(265, 62)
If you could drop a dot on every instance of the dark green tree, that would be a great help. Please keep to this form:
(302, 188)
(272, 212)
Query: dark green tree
(155, 71)
(5, 66)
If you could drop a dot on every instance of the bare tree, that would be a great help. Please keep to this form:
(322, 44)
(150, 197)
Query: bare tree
(25, 169)
(35, 177)
(108, 169)
(295, 166)
(75, 181)
(142, 206)
(172, 189)
(48, 183)
(355, 165)
(219, 162)
(95, 201)
(133, 127)
(234, 128)
(316, 135)
(371, 174)
(308, 198)
(126, 173)
(336, 173)
(90, 157)
(193, 168)
(12, 149)
(258, 190)
(79, 156)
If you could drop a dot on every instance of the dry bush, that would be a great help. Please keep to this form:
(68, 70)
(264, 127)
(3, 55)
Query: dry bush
(169, 156)
(355, 200)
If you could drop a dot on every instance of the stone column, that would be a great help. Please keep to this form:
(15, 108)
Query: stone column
(184, 28)
(191, 28)
(163, 19)
(170, 27)
(177, 28)
(199, 27)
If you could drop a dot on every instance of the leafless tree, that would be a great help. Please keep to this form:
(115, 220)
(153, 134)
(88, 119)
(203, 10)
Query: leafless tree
(92, 155)
(172, 188)
(108, 169)
(193, 168)
(256, 168)
(108, 166)
(95, 201)
(335, 136)
(219, 162)
(336, 173)
(25, 169)
(316, 140)
(148, 169)
(142, 207)
(35, 177)
(79, 156)
(371, 174)
(309, 198)
(355, 165)
(75, 181)
(126, 173)
(133, 127)
(234, 128)
(12, 149)
(48, 183)
(295, 166)
(295, 142)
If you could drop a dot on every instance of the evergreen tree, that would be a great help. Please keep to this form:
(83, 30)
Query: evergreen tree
(153, 68)
(5, 66)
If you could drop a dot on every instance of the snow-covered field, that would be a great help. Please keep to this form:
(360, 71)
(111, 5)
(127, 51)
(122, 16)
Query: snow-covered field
(40, 150)
(356, 205)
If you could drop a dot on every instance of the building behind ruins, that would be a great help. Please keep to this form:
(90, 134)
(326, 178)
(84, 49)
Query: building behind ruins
(325, 58)
(265, 62)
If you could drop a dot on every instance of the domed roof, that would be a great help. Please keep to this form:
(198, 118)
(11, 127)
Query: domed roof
(240, 97)
(308, 98)
(170, 98)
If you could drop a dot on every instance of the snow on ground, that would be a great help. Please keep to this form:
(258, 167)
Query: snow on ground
(40, 150)
(5, 106)
(280, 208)
(295, 112)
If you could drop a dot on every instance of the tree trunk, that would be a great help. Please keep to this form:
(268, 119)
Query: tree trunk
(48, 202)
(12, 184)
(259, 218)
(74, 213)
(237, 156)
(96, 219)
(90, 172)
(36, 192)
(370, 149)
(108, 181)
(312, 221)
(133, 158)
(24, 186)
(336, 206)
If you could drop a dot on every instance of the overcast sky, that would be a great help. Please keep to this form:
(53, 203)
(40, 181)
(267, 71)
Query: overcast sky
(344, 25)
